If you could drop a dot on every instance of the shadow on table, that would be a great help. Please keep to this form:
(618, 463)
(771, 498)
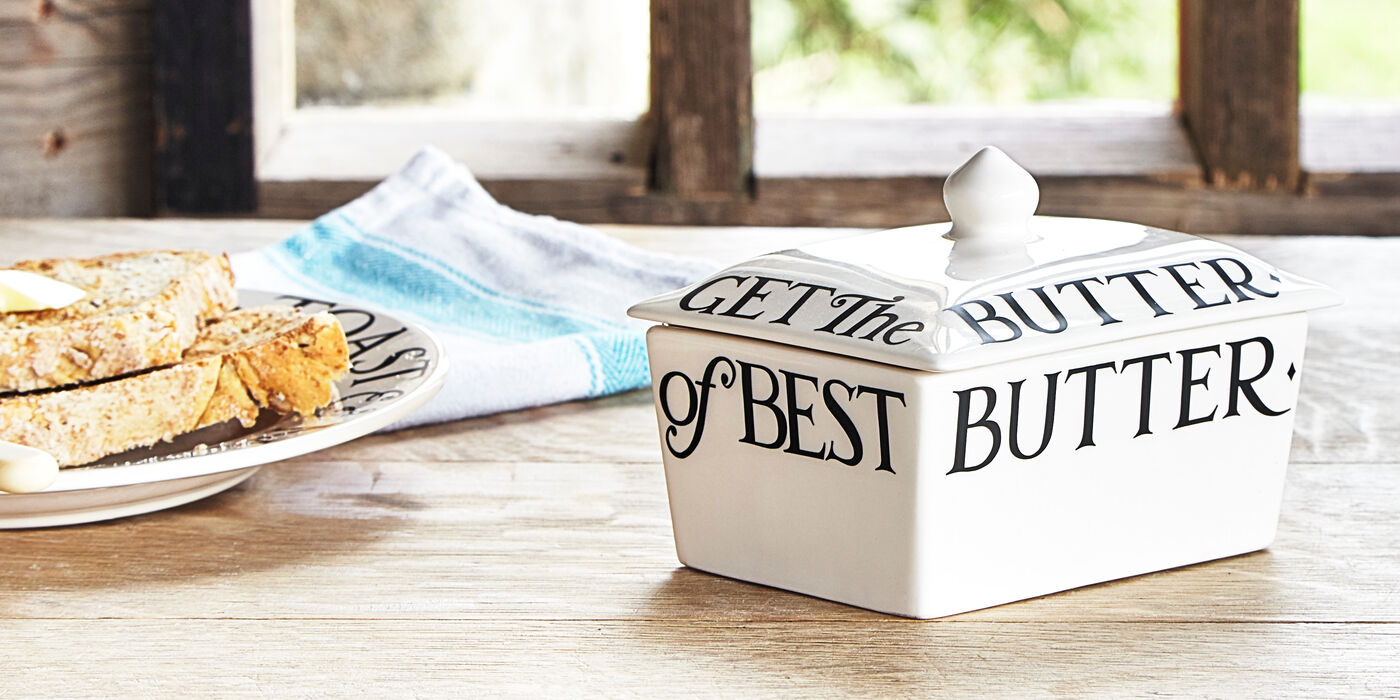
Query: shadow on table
(691, 594)
(284, 516)
(1125, 637)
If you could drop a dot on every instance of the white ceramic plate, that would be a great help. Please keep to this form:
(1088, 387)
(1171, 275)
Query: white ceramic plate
(396, 367)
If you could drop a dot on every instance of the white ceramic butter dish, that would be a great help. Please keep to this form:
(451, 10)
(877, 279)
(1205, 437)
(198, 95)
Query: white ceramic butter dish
(941, 418)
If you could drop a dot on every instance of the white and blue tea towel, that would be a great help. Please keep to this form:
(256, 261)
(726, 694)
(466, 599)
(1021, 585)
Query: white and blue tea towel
(530, 309)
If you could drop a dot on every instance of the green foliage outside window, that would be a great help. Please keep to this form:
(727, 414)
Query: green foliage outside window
(860, 53)
(855, 54)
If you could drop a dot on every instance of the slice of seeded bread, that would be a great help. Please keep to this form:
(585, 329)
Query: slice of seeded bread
(271, 357)
(142, 310)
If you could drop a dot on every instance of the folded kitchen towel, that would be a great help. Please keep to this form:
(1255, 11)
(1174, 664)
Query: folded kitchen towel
(530, 309)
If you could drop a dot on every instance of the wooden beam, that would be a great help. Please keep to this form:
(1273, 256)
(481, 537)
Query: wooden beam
(1365, 206)
(1045, 141)
(701, 99)
(1239, 90)
(204, 107)
(312, 145)
(75, 108)
(1352, 149)
(872, 172)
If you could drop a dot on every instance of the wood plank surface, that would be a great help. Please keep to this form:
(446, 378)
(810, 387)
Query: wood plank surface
(530, 553)
(1361, 205)
(75, 114)
(18, 11)
(75, 140)
(1351, 149)
(77, 33)
(239, 658)
(1049, 141)
(1133, 165)
(368, 143)
(533, 540)
(1239, 90)
(701, 99)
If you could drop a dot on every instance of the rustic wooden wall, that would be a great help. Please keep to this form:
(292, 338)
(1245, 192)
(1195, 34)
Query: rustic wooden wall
(75, 107)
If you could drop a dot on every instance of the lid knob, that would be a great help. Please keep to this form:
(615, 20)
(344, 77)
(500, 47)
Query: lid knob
(991, 199)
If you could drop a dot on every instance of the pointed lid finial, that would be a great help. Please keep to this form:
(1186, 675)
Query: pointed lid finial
(990, 199)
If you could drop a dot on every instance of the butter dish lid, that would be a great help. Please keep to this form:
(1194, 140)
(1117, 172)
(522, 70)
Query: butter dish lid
(995, 284)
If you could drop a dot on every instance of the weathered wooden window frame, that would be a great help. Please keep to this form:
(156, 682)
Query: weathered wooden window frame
(1233, 156)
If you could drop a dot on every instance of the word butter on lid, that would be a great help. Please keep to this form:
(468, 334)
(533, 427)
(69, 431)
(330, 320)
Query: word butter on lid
(996, 284)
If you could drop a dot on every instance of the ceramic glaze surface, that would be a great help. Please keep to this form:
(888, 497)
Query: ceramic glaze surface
(996, 284)
(935, 419)
(928, 494)
(990, 199)
(914, 298)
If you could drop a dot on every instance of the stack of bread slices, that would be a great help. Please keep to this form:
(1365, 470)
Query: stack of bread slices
(155, 349)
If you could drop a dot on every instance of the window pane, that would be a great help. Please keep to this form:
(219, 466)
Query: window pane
(851, 54)
(519, 57)
(1350, 48)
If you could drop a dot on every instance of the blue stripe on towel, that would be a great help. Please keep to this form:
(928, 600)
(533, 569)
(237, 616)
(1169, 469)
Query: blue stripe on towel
(344, 262)
(595, 368)
(623, 357)
(442, 267)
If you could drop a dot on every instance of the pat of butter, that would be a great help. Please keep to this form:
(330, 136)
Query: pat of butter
(25, 469)
(26, 291)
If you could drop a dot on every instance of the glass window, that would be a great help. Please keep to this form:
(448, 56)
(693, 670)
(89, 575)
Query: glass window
(1350, 49)
(523, 57)
(853, 54)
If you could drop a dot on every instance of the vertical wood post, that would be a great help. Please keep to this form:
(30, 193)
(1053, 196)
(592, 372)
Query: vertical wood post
(701, 98)
(204, 107)
(1239, 90)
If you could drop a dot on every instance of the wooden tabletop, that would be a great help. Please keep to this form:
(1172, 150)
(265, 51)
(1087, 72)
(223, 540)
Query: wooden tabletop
(531, 552)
